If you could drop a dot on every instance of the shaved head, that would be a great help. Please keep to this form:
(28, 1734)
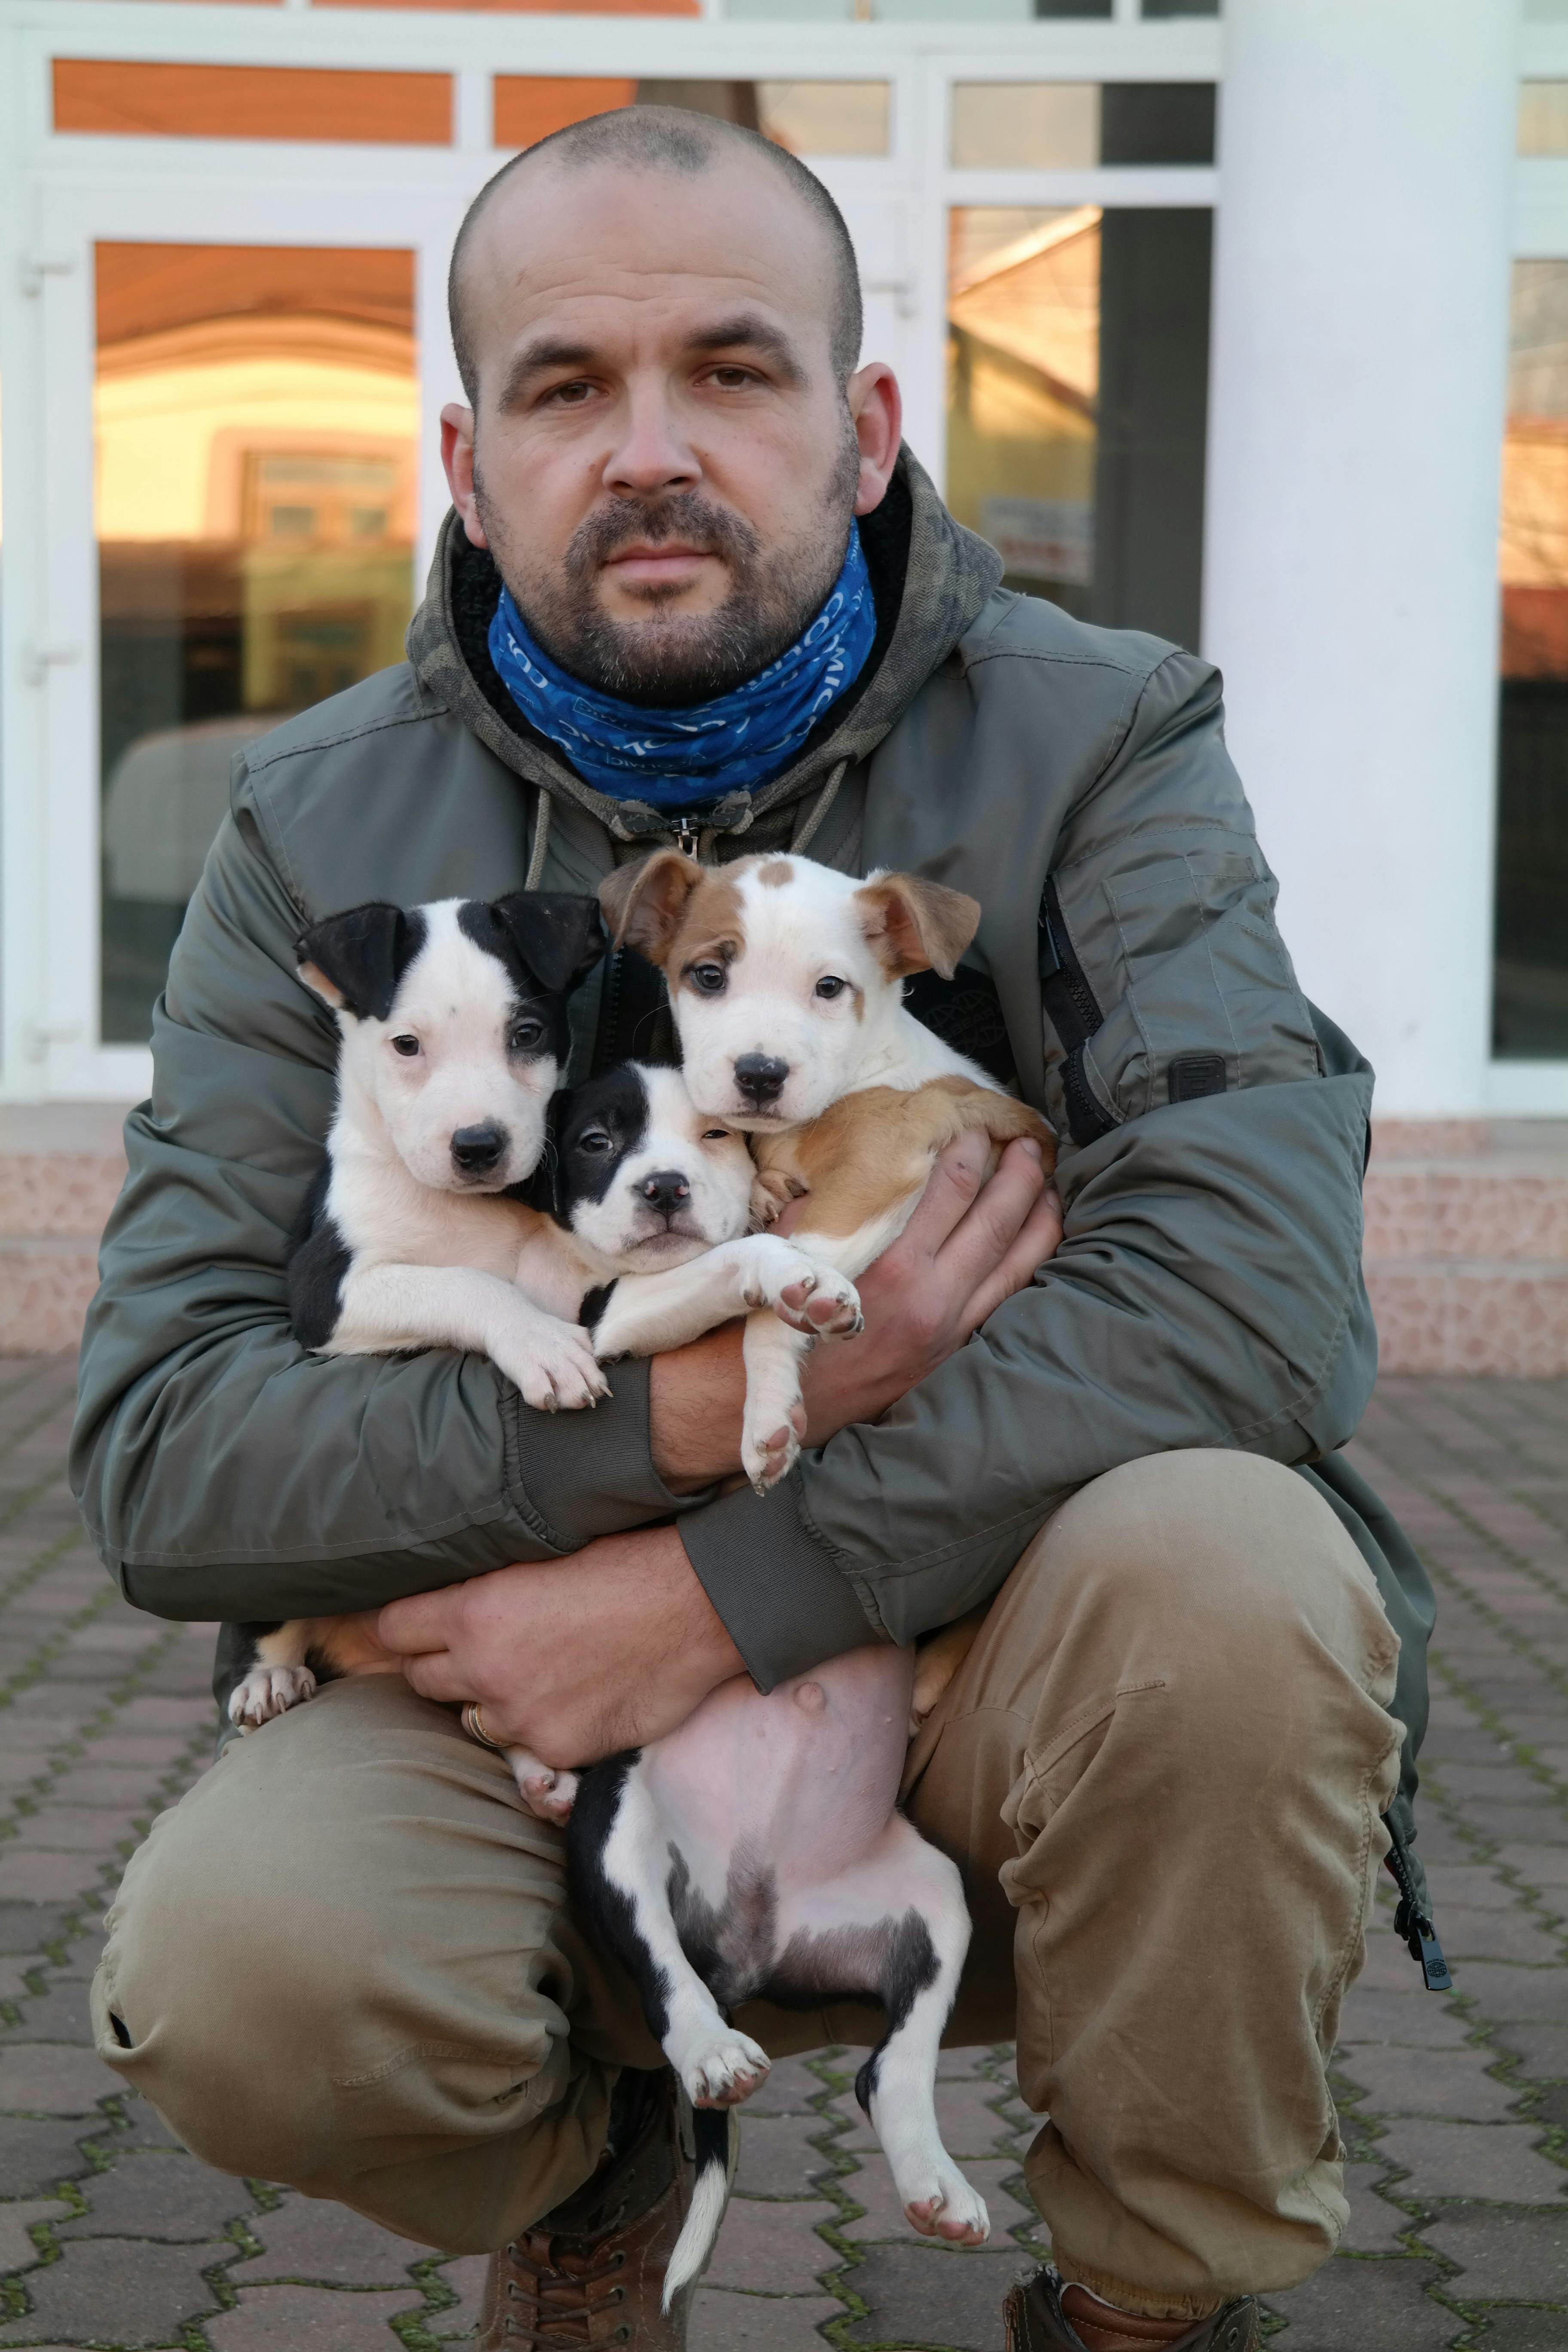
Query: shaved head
(670, 140)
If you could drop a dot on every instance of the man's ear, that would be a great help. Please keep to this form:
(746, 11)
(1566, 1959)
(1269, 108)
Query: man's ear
(914, 925)
(644, 904)
(354, 961)
(559, 935)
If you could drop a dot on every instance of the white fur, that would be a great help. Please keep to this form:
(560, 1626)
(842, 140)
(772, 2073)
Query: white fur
(793, 933)
(796, 935)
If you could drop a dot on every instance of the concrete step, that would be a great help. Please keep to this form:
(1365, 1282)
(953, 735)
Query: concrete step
(1466, 1248)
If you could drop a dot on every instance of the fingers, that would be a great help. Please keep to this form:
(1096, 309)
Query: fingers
(423, 1622)
(1036, 1241)
(981, 1239)
(436, 1676)
(949, 1195)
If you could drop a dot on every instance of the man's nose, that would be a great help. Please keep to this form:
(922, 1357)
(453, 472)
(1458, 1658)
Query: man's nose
(665, 1189)
(652, 457)
(477, 1150)
(761, 1076)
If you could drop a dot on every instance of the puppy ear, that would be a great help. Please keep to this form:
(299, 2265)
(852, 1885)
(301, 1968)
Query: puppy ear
(644, 904)
(559, 935)
(914, 925)
(354, 961)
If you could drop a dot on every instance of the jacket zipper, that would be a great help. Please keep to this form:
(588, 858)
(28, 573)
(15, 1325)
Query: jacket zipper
(1075, 1015)
(685, 836)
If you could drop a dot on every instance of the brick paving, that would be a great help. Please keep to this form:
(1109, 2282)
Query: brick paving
(1456, 2109)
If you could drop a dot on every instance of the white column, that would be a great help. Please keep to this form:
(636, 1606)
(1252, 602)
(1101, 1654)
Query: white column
(1356, 418)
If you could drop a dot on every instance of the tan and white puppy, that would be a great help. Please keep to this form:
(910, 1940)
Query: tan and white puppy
(787, 981)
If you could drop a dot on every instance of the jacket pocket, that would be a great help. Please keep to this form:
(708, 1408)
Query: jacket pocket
(1175, 941)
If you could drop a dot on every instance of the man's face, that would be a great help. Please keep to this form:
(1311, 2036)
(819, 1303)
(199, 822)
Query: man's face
(664, 464)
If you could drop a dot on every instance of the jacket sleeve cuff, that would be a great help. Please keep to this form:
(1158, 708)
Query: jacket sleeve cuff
(576, 1475)
(785, 1604)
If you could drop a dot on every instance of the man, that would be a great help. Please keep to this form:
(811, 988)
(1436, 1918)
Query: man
(345, 1960)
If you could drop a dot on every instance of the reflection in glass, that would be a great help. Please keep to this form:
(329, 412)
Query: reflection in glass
(809, 118)
(1071, 126)
(1529, 1002)
(1078, 388)
(256, 413)
(1543, 118)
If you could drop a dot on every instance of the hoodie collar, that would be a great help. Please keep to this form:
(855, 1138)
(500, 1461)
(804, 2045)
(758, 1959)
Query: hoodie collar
(930, 589)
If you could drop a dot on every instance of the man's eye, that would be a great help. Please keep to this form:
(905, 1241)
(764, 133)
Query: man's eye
(708, 978)
(526, 1035)
(716, 1135)
(568, 396)
(732, 379)
(831, 985)
(405, 1045)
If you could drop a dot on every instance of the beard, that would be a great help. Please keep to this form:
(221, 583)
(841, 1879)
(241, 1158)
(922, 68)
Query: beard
(671, 658)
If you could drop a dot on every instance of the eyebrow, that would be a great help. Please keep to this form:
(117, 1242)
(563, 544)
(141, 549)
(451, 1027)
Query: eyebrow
(745, 330)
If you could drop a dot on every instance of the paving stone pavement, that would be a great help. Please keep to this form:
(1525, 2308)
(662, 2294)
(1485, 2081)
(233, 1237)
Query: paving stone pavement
(1455, 2109)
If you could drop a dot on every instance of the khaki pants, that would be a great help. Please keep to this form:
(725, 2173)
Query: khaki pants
(345, 1959)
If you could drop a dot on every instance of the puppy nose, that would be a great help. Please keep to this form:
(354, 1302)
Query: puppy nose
(761, 1076)
(665, 1189)
(478, 1150)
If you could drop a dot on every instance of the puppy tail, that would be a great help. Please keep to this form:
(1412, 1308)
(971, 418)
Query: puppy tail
(718, 2142)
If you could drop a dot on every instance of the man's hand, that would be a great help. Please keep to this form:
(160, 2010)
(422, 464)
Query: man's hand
(575, 1659)
(967, 1247)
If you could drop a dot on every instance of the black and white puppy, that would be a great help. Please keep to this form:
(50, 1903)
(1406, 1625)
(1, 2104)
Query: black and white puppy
(435, 1223)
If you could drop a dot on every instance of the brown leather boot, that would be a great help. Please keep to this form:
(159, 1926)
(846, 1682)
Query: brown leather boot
(1036, 2321)
(592, 2272)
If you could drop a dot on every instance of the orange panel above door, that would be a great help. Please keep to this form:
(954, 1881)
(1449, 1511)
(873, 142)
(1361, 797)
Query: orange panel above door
(121, 99)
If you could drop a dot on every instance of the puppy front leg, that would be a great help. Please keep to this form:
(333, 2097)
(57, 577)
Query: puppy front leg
(773, 1420)
(644, 1314)
(386, 1307)
(275, 1677)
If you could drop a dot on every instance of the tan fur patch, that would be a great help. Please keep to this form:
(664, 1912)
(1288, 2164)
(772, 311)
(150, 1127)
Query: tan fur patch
(711, 927)
(315, 978)
(775, 873)
(873, 1149)
(914, 925)
(643, 905)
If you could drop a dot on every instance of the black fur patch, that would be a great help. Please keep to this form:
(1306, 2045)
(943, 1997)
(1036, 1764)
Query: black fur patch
(591, 1311)
(365, 953)
(595, 1127)
(548, 940)
(316, 1261)
(911, 1968)
(605, 1908)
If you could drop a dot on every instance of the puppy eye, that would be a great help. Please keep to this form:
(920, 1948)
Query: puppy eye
(716, 1135)
(708, 978)
(595, 1140)
(405, 1045)
(526, 1035)
(831, 986)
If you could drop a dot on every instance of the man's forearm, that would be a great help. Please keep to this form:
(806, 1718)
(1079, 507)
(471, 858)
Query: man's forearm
(695, 1396)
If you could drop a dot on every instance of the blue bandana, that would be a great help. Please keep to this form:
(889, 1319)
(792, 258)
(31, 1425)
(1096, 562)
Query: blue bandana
(681, 758)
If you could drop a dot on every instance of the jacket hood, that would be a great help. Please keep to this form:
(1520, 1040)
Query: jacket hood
(931, 578)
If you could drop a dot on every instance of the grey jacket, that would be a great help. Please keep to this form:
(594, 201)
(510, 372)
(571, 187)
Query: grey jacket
(1214, 1128)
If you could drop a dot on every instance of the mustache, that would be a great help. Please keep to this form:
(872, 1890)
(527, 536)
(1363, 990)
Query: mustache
(685, 515)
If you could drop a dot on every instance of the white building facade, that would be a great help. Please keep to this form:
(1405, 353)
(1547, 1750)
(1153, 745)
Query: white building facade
(1219, 325)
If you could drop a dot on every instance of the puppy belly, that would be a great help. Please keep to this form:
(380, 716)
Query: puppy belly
(762, 1797)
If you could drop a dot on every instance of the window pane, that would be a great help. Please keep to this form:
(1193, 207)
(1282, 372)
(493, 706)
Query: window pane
(1543, 118)
(1077, 386)
(1018, 125)
(827, 118)
(1530, 1005)
(1067, 126)
(809, 118)
(1181, 9)
(256, 415)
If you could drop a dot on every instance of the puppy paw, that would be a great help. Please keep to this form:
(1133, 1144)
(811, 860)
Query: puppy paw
(824, 1303)
(770, 1448)
(268, 1691)
(555, 1368)
(947, 2207)
(548, 1794)
(724, 2071)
